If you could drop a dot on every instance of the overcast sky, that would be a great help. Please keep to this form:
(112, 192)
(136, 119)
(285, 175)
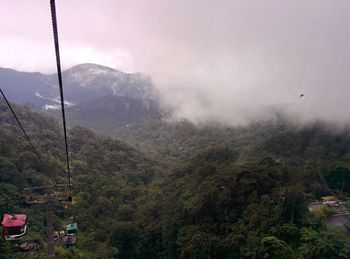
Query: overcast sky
(222, 60)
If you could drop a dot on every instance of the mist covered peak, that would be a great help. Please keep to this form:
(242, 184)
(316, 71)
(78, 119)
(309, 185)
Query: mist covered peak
(85, 67)
(82, 83)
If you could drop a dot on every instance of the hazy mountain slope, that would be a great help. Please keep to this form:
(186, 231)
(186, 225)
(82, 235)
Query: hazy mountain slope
(96, 81)
(107, 113)
(178, 140)
(21, 87)
(82, 83)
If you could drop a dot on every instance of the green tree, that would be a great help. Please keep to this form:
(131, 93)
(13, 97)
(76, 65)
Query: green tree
(274, 248)
(331, 243)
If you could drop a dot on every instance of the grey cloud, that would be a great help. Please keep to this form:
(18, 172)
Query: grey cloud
(224, 61)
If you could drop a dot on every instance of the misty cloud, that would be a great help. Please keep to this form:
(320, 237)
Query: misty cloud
(224, 61)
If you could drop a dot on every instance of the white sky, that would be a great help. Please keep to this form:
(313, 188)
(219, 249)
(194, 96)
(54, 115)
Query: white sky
(223, 60)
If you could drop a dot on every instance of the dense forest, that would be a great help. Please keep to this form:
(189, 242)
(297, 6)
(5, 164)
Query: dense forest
(175, 190)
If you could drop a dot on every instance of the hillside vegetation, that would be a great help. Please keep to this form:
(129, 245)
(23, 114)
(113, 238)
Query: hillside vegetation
(189, 193)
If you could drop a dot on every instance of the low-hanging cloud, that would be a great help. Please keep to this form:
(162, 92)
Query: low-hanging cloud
(224, 61)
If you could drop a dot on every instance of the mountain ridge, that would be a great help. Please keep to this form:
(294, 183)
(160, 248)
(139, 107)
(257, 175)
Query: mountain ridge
(82, 83)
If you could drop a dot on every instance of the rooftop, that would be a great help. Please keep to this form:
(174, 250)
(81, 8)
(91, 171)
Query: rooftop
(14, 220)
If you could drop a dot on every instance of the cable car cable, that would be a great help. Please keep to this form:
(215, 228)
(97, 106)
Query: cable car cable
(59, 74)
(20, 125)
(44, 167)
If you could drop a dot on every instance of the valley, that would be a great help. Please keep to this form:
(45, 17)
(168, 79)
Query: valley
(145, 186)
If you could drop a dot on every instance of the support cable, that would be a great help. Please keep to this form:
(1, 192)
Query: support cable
(59, 74)
(20, 125)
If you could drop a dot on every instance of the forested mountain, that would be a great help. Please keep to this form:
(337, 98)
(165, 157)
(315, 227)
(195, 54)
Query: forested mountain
(110, 112)
(279, 138)
(96, 96)
(211, 192)
(106, 173)
(83, 83)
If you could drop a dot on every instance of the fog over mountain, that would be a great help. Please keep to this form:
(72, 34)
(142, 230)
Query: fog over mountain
(82, 83)
(223, 61)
